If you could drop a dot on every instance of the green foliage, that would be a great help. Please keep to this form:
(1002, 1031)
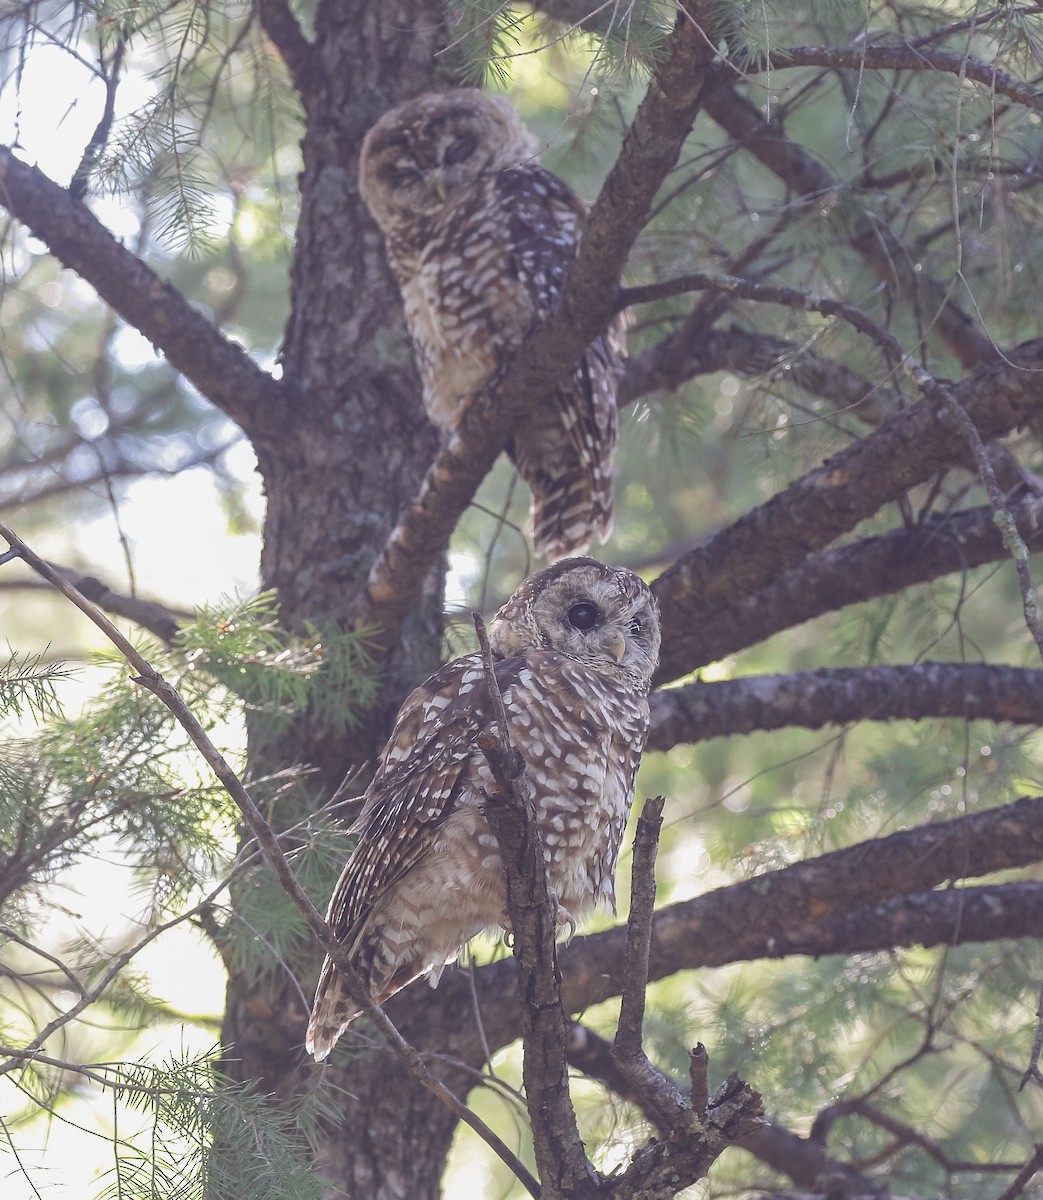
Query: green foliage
(27, 683)
(119, 783)
(239, 643)
(265, 934)
(206, 1137)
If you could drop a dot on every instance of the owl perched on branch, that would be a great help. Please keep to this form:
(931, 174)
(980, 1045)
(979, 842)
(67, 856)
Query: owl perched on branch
(574, 650)
(481, 239)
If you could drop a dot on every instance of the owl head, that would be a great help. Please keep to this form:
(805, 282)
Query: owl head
(604, 617)
(419, 154)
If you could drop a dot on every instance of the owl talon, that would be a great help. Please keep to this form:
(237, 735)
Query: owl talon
(562, 916)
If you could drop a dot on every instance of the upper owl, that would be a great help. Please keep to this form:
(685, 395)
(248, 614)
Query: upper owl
(481, 239)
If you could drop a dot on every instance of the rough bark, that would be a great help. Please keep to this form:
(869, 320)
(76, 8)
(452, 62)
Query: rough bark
(348, 386)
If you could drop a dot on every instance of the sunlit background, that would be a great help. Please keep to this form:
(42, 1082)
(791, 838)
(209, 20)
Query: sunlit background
(173, 532)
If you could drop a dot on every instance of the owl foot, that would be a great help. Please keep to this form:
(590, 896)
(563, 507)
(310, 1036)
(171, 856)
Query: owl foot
(562, 916)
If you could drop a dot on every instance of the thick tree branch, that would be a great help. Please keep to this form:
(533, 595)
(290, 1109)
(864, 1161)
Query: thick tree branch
(838, 696)
(222, 371)
(735, 563)
(858, 572)
(156, 618)
(946, 918)
(649, 152)
(679, 357)
(932, 390)
(801, 908)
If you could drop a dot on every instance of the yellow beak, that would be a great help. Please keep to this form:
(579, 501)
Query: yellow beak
(616, 645)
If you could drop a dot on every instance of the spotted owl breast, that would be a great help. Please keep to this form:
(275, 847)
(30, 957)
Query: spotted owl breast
(464, 303)
(582, 781)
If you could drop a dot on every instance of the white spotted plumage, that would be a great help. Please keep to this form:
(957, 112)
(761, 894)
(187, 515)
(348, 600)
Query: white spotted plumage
(481, 239)
(425, 876)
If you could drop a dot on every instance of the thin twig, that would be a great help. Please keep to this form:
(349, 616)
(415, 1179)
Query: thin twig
(1017, 1184)
(74, 982)
(168, 695)
(1012, 539)
(561, 1160)
(659, 1094)
(1032, 1071)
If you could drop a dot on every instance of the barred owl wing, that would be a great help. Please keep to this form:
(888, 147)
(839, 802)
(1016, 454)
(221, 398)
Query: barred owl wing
(417, 781)
(425, 770)
(571, 478)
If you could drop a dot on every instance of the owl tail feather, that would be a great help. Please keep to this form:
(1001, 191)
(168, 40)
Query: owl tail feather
(565, 518)
(333, 1009)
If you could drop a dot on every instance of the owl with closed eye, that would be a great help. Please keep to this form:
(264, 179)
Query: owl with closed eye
(574, 650)
(481, 239)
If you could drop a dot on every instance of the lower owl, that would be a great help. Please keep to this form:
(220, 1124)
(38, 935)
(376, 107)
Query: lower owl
(574, 650)
(481, 240)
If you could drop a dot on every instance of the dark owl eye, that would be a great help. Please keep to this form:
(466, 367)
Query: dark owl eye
(459, 150)
(635, 626)
(399, 177)
(584, 615)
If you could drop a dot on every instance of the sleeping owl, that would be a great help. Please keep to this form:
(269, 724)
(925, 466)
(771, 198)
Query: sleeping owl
(481, 239)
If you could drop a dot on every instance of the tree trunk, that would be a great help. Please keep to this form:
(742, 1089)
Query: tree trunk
(346, 451)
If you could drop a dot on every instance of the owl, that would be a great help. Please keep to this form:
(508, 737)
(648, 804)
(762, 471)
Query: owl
(574, 650)
(481, 239)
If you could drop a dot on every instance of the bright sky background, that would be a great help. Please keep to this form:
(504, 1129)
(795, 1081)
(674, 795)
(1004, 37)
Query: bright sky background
(183, 553)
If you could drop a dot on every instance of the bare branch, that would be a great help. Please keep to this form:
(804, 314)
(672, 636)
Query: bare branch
(946, 918)
(801, 908)
(932, 390)
(221, 370)
(659, 1096)
(562, 1162)
(874, 241)
(838, 696)
(157, 618)
(857, 572)
(903, 1133)
(1017, 1185)
(679, 357)
(1005, 523)
(803, 1160)
(869, 56)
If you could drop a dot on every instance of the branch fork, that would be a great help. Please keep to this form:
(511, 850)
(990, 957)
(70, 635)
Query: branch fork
(695, 1128)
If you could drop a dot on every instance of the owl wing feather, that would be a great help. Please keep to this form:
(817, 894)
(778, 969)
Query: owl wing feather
(421, 771)
(572, 485)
